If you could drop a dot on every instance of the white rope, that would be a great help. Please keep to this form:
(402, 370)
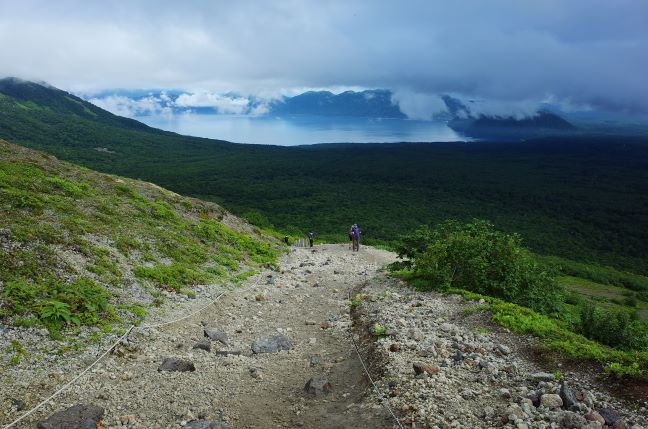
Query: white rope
(157, 325)
(130, 328)
(385, 403)
(66, 385)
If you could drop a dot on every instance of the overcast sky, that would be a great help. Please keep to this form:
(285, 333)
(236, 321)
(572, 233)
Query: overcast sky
(577, 52)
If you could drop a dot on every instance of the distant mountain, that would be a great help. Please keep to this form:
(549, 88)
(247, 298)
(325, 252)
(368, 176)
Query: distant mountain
(590, 211)
(376, 103)
(543, 122)
(371, 103)
(41, 97)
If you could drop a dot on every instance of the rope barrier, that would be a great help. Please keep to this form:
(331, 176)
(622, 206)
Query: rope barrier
(130, 329)
(66, 385)
(384, 401)
(157, 325)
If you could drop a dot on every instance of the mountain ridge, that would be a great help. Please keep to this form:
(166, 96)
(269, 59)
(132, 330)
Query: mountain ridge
(565, 195)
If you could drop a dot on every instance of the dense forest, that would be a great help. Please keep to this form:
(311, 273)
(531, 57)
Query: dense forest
(582, 198)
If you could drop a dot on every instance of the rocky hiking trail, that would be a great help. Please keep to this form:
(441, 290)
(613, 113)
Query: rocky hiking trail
(278, 352)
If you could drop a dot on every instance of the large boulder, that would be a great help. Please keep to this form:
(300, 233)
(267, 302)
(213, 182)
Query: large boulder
(203, 345)
(611, 416)
(215, 334)
(568, 396)
(573, 421)
(551, 400)
(271, 344)
(318, 386)
(175, 364)
(76, 417)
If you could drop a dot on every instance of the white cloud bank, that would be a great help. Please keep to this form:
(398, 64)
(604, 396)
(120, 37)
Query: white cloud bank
(590, 52)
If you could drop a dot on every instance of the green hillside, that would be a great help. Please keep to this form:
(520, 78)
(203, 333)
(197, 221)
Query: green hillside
(580, 198)
(85, 248)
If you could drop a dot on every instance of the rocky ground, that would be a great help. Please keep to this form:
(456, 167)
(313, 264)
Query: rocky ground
(446, 366)
(278, 352)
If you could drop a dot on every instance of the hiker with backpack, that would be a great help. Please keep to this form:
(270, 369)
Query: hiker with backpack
(311, 237)
(355, 231)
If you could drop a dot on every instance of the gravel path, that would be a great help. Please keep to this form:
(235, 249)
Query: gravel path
(306, 302)
(438, 365)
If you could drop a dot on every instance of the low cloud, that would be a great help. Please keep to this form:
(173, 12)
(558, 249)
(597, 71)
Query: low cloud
(590, 52)
(419, 105)
(125, 106)
(221, 104)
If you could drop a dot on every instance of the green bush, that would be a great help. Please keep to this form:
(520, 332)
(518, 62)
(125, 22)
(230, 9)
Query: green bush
(175, 276)
(478, 258)
(55, 303)
(598, 273)
(617, 328)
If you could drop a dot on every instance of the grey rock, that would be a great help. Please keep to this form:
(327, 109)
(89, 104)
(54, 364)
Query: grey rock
(551, 400)
(542, 376)
(504, 392)
(228, 353)
(458, 357)
(175, 364)
(513, 412)
(76, 417)
(318, 386)
(593, 416)
(504, 349)
(215, 334)
(611, 416)
(573, 421)
(415, 334)
(271, 344)
(206, 424)
(312, 361)
(18, 404)
(203, 345)
(535, 397)
(568, 396)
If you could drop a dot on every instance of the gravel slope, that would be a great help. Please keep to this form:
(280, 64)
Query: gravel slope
(480, 376)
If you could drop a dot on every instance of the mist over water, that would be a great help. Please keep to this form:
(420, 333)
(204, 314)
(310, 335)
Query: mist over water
(303, 130)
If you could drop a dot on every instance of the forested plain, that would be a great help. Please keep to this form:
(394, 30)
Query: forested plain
(582, 198)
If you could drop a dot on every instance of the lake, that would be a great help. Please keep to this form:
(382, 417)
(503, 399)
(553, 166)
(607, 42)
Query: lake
(303, 130)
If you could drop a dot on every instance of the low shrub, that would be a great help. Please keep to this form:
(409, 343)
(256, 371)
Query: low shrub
(616, 328)
(478, 258)
(175, 276)
(57, 304)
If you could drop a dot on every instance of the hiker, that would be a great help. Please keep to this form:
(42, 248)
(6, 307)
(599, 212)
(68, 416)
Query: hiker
(286, 240)
(356, 237)
(311, 237)
(350, 236)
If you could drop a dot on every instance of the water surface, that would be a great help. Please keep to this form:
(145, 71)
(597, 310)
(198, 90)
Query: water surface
(301, 130)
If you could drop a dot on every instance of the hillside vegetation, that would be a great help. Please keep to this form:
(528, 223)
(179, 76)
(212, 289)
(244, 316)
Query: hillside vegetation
(583, 199)
(523, 294)
(85, 248)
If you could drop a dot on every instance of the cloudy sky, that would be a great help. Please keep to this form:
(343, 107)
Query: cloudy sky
(517, 52)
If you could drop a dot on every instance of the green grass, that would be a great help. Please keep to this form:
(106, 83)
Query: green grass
(613, 297)
(173, 277)
(71, 234)
(557, 336)
(18, 352)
